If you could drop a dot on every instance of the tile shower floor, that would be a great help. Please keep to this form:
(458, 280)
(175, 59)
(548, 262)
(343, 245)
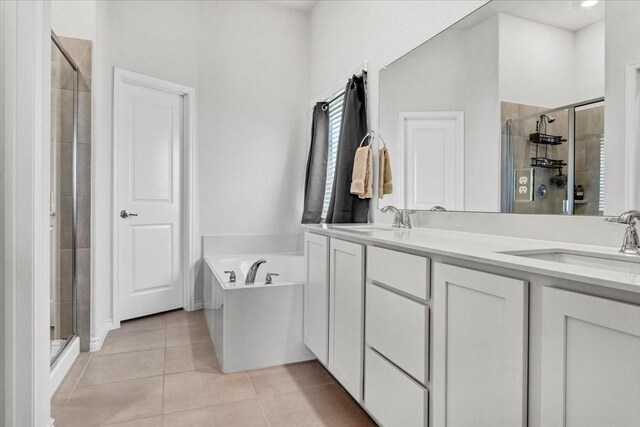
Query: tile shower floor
(162, 371)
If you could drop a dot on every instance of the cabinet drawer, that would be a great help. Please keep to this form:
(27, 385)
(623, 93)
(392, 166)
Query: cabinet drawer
(391, 397)
(405, 272)
(398, 328)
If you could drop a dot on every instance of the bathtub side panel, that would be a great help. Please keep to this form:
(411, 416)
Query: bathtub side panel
(263, 327)
(213, 310)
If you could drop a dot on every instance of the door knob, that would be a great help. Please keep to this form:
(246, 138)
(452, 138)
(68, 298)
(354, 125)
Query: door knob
(125, 214)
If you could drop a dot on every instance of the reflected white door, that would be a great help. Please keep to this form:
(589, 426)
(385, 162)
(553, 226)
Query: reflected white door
(432, 145)
(150, 133)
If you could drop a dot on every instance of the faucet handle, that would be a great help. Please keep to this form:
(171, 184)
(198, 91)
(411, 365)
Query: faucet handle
(268, 280)
(406, 219)
(628, 217)
(232, 277)
(631, 241)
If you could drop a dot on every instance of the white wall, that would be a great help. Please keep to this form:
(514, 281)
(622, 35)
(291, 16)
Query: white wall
(74, 18)
(548, 66)
(589, 62)
(253, 96)
(622, 49)
(248, 63)
(536, 63)
(483, 128)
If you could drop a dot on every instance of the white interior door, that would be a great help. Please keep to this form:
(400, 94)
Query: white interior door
(149, 133)
(432, 145)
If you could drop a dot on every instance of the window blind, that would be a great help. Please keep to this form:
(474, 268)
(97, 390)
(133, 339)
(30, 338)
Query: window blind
(335, 121)
(601, 183)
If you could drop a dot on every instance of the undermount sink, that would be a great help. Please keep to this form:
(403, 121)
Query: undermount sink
(611, 262)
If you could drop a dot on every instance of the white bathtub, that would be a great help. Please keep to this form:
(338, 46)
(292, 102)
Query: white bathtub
(258, 325)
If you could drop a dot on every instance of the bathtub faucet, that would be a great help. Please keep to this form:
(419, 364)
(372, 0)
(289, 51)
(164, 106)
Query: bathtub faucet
(251, 275)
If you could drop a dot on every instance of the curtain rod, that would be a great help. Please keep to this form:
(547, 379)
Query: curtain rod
(338, 85)
(341, 91)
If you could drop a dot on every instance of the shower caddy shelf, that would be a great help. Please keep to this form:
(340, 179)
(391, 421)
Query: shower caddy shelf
(546, 140)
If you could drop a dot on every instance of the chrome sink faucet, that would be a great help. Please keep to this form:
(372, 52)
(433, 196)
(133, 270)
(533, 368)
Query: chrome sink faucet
(251, 275)
(401, 216)
(631, 241)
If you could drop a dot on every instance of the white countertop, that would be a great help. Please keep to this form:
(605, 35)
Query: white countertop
(484, 248)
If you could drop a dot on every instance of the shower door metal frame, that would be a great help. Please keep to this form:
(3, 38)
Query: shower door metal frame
(506, 201)
(74, 197)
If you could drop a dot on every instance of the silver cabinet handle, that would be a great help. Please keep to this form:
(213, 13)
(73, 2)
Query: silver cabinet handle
(125, 214)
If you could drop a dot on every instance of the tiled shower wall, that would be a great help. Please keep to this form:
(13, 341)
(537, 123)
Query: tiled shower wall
(81, 52)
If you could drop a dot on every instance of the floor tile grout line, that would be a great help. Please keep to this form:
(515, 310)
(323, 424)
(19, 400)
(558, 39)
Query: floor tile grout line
(164, 381)
(264, 415)
(121, 381)
(128, 352)
(297, 390)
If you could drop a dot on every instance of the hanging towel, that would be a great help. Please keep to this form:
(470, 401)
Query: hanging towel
(385, 183)
(362, 173)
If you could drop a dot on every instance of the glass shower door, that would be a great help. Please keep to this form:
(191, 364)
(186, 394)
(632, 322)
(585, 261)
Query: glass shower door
(64, 111)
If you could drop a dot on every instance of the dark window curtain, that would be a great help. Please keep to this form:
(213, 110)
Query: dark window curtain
(345, 207)
(316, 178)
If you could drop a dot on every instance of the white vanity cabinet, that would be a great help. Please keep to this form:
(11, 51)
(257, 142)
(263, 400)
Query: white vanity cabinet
(334, 307)
(316, 295)
(346, 314)
(590, 373)
(480, 348)
(397, 357)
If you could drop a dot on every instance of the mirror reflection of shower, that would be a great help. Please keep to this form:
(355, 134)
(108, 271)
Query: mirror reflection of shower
(553, 159)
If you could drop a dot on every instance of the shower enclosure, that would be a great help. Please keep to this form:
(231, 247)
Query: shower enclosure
(553, 159)
(63, 198)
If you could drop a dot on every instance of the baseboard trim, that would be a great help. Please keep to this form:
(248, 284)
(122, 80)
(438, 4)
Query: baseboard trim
(96, 342)
(198, 305)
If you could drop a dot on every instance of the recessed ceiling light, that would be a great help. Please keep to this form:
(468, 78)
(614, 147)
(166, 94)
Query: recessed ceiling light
(589, 3)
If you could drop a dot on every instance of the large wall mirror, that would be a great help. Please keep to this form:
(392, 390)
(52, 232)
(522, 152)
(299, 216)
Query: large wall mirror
(521, 107)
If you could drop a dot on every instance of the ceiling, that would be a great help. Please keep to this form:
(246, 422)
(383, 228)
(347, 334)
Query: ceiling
(567, 15)
(301, 5)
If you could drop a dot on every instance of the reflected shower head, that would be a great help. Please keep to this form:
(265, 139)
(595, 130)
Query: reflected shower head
(548, 117)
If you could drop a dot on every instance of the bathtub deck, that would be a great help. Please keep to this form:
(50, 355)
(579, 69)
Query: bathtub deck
(162, 370)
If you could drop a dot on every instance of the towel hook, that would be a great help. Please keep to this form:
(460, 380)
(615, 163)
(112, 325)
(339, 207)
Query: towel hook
(370, 134)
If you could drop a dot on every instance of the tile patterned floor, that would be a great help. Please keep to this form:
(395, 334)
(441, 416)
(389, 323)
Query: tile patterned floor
(162, 371)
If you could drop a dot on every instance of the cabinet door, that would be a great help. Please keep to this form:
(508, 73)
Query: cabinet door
(316, 295)
(590, 361)
(479, 348)
(346, 315)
